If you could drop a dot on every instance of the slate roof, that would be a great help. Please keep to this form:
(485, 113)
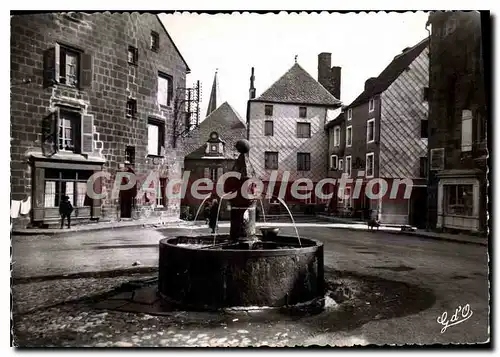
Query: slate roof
(391, 72)
(226, 122)
(298, 87)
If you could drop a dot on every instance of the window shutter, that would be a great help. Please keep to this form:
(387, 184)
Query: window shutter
(49, 67)
(170, 91)
(466, 130)
(87, 141)
(220, 172)
(207, 173)
(50, 133)
(85, 70)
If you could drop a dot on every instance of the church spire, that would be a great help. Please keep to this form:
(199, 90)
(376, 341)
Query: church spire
(212, 103)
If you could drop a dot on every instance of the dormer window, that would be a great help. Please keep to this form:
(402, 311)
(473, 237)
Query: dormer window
(215, 146)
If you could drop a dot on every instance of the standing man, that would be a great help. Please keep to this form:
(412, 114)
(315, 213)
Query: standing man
(65, 210)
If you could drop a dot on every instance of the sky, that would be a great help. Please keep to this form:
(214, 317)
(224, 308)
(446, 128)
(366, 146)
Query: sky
(362, 44)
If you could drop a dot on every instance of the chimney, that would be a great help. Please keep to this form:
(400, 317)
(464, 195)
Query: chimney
(370, 82)
(252, 87)
(329, 77)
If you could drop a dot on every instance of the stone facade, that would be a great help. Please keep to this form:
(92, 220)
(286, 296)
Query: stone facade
(457, 123)
(103, 86)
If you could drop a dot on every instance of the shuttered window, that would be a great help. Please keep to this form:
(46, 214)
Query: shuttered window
(303, 130)
(68, 66)
(268, 128)
(303, 161)
(271, 160)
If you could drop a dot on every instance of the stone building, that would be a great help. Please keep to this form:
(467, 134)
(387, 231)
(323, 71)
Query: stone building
(386, 138)
(457, 121)
(286, 129)
(92, 93)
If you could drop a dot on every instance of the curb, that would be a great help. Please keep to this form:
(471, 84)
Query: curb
(89, 274)
(55, 231)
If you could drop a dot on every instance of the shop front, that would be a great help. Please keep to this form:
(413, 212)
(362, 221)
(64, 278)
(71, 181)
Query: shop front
(53, 179)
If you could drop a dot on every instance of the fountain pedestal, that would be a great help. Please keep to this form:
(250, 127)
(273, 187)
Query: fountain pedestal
(243, 206)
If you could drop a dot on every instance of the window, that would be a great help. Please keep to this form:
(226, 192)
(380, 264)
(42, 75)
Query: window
(268, 128)
(370, 131)
(156, 137)
(303, 161)
(213, 174)
(371, 105)
(214, 148)
(349, 114)
(66, 182)
(334, 162)
(348, 165)
(466, 130)
(458, 199)
(165, 89)
(131, 107)
(161, 197)
(424, 129)
(130, 155)
(341, 164)
(348, 136)
(425, 94)
(303, 130)
(370, 165)
(155, 41)
(69, 129)
(336, 136)
(302, 112)
(69, 61)
(423, 167)
(133, 55)
(271, 160)
(437, 159)
(68, 66)
(268, 110)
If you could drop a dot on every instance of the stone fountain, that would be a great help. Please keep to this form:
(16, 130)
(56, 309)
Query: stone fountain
(240, 269)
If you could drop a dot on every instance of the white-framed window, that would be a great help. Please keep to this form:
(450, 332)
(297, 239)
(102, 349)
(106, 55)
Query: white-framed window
(156, 137)
(466, 130)
(370, 164)
(370, 131)
(341, 164)
(334, 160)
(165, 89)
(371, 105)
(349, 114)
(348, 136)
(336, 136)
(348, 165)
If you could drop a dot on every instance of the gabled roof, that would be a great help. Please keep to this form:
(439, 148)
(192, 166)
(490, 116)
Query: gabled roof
(226, 122)
(188, 70)
(298, 87)
(391, 72)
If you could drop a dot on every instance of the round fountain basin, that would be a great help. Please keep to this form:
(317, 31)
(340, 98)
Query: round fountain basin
(196, 273)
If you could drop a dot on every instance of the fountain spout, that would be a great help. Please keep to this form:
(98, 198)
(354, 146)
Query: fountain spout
(244, 204)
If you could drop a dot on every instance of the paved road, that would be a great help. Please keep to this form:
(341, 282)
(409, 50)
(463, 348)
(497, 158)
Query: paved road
(456, 273)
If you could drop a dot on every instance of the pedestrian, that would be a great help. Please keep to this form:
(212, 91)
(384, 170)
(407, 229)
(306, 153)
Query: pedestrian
(213, 215)
(65, 210)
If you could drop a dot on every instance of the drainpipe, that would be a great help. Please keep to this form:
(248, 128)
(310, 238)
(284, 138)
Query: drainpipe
(429, 174)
